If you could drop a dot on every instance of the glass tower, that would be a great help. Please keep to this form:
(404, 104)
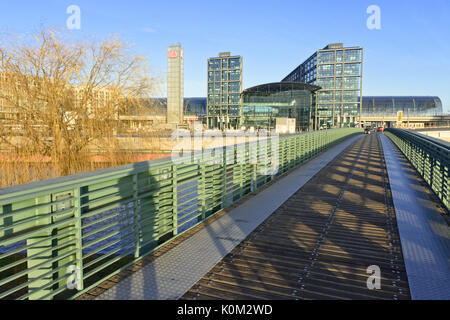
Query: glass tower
(224, 89)
(338, 71)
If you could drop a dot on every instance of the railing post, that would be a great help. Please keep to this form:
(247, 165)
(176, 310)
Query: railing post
(47, 245)
(202, 189)
(302, 149)
(137, 241)
(242, 167)
(224, 177)
(78, 238)
(445, 188)
(291, 153)
(320, 138)
(254, 168)
(432, 177)
(174, 199)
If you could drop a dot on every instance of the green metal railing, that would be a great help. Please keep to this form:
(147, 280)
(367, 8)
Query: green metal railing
(429, 156)
(91, 226)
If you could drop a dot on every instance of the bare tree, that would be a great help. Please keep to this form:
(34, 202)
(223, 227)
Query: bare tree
(61, 98)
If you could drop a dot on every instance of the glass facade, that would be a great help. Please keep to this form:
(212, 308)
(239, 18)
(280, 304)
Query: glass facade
(191, 106)
(338, 72)
(263, 104)
(224, 89)
(413, 106)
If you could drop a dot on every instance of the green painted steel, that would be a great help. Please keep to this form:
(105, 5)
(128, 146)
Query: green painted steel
(90, 226)
(430, 157)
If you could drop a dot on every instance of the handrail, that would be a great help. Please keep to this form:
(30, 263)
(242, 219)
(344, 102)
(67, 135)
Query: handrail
(430, 157)
(59, 238)
(434, 140)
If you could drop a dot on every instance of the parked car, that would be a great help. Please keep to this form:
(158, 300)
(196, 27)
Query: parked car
(380, 129)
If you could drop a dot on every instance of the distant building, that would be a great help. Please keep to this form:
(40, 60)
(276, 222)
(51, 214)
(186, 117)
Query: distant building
(195, 106)
(192, 106)
(338, 71)
(152, 114)
(412, 106)
(13, 105)
(93, 99)
(224, 88)
(175, 84)
(262, 105)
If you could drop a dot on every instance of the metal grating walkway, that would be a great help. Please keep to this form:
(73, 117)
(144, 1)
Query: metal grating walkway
(424, 232)
(320, 242)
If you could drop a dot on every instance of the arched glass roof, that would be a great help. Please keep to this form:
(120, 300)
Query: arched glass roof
(280, 86)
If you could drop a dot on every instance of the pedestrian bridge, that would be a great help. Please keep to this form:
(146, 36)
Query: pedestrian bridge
(325, 215)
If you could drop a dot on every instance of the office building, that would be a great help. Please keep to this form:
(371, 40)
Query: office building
(175, 84)
(224, 88)
(263, 105)
(338, 71)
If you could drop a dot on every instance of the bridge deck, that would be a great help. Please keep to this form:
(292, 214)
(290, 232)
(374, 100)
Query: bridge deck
(423, 230)
(311, 235)
(319, 243)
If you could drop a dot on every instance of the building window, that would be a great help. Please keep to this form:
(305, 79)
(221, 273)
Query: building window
(233, 98)
(325, 109)
(326, 83)
(224, 87)
(353, 69)
(217, 88)
(339, 57)
(235, 63)
(352, 82)
(235, 75)
(351, 96)
(326, 70)
(234, 110)
(339, 69)
(351, 109)
(326, 57)
(214, 64)
(326, 96)
(352, 55)
(234, 87)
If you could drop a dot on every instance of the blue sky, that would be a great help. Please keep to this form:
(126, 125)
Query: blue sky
(410, 55)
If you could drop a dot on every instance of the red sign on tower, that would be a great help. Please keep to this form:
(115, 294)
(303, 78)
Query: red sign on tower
(173, 54)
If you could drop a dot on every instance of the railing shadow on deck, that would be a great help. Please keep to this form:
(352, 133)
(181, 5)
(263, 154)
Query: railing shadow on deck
(276, 245)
